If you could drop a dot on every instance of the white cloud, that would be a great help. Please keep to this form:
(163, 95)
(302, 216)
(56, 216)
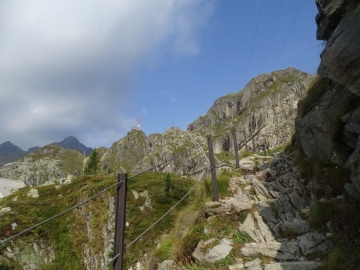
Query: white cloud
(68, 66)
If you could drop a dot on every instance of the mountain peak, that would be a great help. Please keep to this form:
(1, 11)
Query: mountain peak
(72, 142)
(9, 147)
(9, 152)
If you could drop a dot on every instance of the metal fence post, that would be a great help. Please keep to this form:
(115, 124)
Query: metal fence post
(245, 140)
(236, 149)
(213, 171)
(120, 222)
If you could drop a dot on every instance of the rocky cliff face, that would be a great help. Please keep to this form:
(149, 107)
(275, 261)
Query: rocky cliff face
(268, 100)
(265, 109)
(330, 126)
(136, 153)
(48, 164)
(124, 154)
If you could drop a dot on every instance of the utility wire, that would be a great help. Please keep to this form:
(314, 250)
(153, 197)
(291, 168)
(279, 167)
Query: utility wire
(163, 216)
(93, 197)
(160, 164)
(272, 35)
(288, 34)
(201, 149)
(57, 215)
(84, 202)
(253, 43)
(150, 227)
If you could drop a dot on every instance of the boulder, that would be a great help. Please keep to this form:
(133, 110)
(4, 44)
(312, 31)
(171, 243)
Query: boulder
(314, 242)
(294, 227)
(263, 228)
(168, 265)
(247, 165)
(279, 250)
(253, 265)
(248, 226)
(34, 193)
(305, 265)
(219, 252)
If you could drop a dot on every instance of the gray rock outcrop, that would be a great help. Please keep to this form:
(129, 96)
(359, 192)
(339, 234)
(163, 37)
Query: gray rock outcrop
(275, 199)
(269, 99)
(329, 128)
(48, 164)
(30, 256)
(204, 251)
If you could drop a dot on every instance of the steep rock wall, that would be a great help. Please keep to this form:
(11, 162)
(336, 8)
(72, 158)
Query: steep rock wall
(269, 99)
(330, 130)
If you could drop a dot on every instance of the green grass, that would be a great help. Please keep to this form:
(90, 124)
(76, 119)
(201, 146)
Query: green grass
(69, 233)
(279, 149)
(161, 201)
(69, 161)
(346, 254)
(324, 173)
(322, 212)
(190, 225)
(225, 157)
(222, 185)
(317, 89)
(27, 211)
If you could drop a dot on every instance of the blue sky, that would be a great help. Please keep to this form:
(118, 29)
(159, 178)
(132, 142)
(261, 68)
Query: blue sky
(181, 89)
(90, 68)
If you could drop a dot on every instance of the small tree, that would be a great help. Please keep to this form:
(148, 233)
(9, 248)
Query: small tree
(168, 184)
(92, 166)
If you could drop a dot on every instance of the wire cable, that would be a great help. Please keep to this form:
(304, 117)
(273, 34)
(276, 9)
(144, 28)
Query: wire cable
(201, 149)
(163, 163)
(84, 202)
(272, 35)
(288, 34)
(160, 164)
(253, 43)
(151, 226)
(57, 215)
(93, 197)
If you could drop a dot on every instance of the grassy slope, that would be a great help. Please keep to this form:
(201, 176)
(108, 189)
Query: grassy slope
(68, 233)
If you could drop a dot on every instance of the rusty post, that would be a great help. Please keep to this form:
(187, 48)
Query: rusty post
(120, 222)
(212, 168)
(236, 149)
(245, 142)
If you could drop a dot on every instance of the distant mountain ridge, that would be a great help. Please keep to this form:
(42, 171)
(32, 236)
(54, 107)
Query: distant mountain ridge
(264, 110)
(10, 148)
(72, 142)
(10, 152)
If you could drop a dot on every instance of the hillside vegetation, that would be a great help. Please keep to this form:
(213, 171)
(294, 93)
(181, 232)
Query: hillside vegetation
(79, 238)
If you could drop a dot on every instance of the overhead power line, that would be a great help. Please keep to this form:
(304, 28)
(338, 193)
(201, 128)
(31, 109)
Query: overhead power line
(272, 35)
(253, 43)
(288, 34)
(201, 149)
